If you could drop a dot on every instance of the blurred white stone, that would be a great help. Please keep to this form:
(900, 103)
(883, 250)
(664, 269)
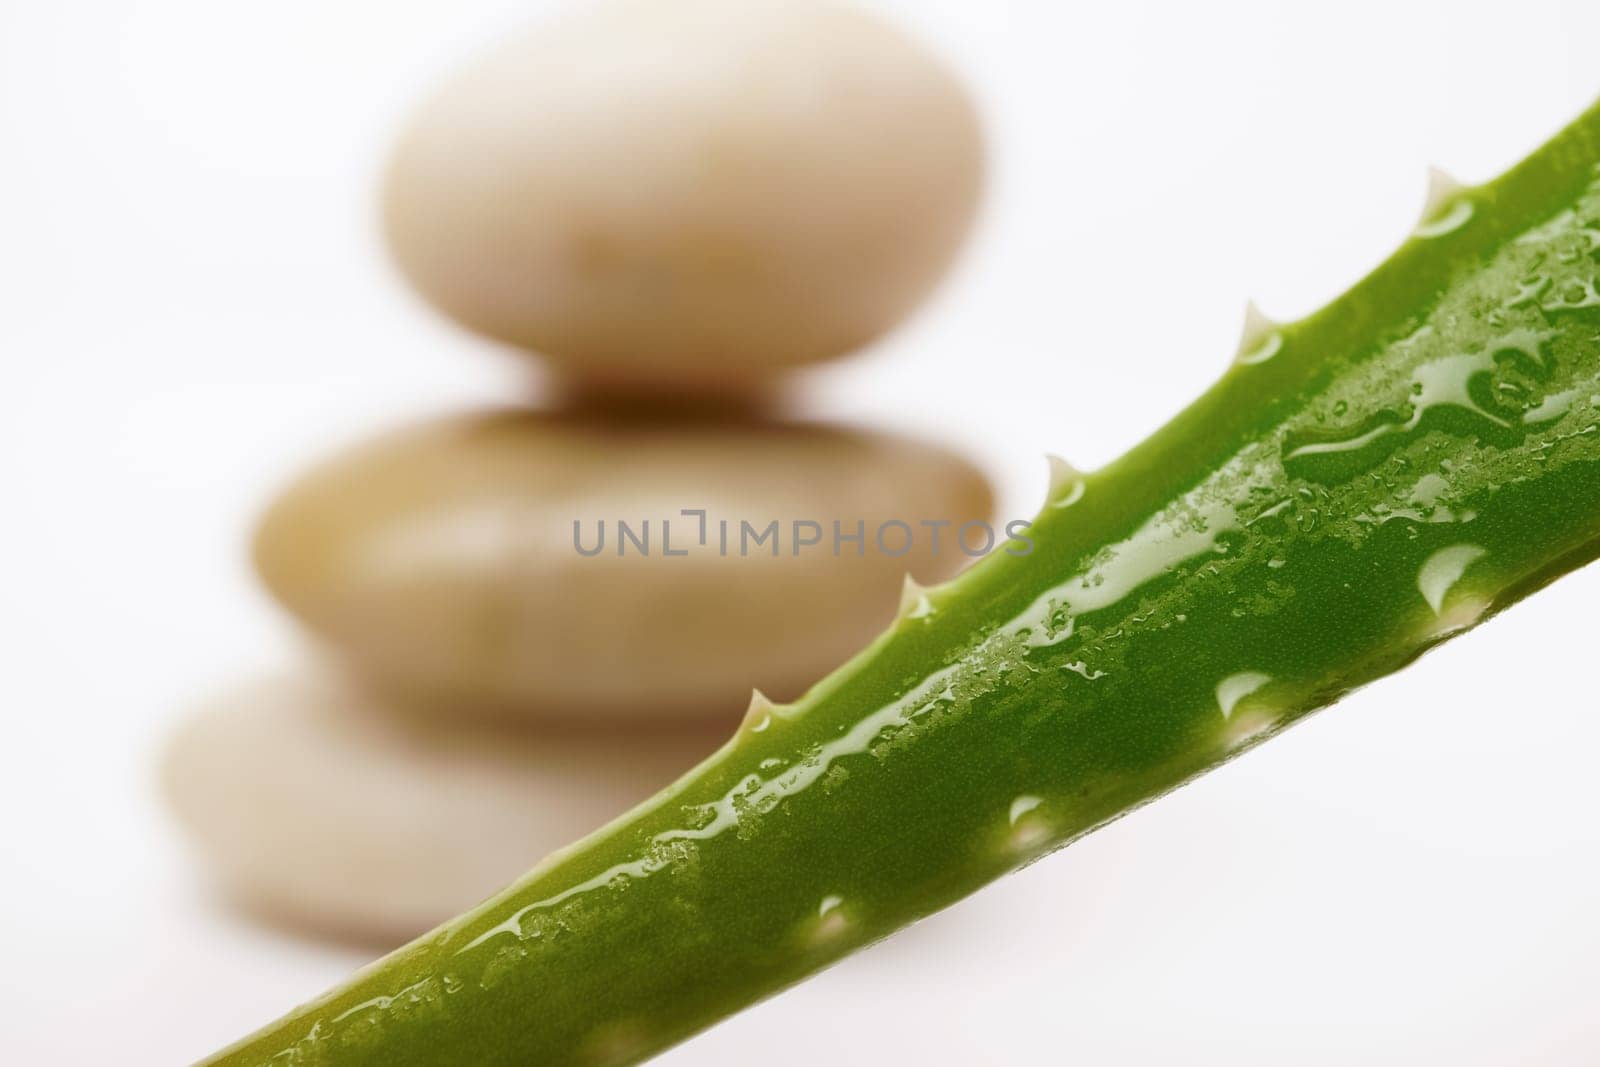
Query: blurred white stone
(689, 194)
(440, 560)
(316, 807)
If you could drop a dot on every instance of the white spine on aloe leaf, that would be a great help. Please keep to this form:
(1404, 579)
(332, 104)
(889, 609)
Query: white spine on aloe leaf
(830, 922)
(1021, 806)
(1446, 208)
(1260, 339)
(1442, 570)
(914, 602)
(1235, 687)
(1066, 483)
(758, 716)
(1027, 829)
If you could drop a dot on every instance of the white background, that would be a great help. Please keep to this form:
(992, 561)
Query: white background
(193, 304)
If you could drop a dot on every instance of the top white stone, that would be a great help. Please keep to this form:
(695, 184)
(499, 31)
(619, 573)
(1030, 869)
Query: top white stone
(691, 194)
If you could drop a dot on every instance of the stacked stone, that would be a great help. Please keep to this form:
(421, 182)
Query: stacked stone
(541, 616)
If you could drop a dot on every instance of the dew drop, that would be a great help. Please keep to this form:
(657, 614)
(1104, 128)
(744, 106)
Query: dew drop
(1552, 407)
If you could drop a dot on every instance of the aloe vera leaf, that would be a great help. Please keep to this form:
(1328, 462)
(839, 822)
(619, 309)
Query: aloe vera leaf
(1359, 486)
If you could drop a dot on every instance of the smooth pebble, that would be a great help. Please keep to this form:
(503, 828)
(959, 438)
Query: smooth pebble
(315, 806)
(442, 563)
(688, 194)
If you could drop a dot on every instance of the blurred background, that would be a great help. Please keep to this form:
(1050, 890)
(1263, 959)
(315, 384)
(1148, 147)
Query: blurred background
(195, 304)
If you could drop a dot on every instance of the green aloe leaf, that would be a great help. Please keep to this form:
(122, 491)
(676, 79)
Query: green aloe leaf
(1359, 486)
